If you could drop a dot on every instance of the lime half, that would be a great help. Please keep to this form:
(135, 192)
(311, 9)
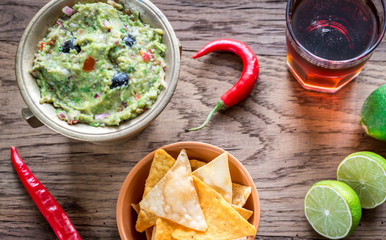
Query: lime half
(333, 209)
(365, 172)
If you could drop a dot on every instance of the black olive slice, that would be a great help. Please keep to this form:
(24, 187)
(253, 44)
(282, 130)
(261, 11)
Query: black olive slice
(70, 44)
(119, 79)
(129, 40)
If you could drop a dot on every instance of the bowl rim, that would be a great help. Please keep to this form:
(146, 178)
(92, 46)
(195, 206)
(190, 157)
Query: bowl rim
(121, 131)
(186, 145)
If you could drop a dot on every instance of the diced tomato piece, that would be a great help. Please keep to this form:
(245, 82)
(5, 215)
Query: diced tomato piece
(137, 96)
(145, 56)
(42, 45)
(89, 64)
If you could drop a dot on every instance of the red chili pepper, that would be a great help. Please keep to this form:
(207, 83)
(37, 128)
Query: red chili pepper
(248, 78)
(89, 64)
(46, 203)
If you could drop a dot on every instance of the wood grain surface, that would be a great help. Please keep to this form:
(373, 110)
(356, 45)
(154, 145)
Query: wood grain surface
(288, 138)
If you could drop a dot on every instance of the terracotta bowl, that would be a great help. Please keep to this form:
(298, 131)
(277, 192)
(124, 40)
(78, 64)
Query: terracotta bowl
(38, 114)
(133, 186)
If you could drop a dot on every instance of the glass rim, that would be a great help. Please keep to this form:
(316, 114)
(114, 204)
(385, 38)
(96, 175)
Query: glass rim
(350, 61)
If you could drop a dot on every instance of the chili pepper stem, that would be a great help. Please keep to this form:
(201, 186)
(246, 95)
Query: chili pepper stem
(219, 106)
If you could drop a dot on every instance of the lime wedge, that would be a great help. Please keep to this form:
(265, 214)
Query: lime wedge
(333, 209)
(365, 172)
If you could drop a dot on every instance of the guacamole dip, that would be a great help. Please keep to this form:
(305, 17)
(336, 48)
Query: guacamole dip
(100, 65)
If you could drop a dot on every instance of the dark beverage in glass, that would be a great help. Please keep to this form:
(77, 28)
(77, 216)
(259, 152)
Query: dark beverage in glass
(329, 41)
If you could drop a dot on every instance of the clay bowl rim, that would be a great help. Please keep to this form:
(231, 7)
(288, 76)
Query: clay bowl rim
(85, 132)
(254, 198)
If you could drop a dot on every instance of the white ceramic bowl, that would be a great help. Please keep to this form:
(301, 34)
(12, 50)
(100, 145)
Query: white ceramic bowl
(37, 114)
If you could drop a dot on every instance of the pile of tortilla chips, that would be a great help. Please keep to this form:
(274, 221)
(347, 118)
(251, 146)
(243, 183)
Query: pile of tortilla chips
(200, 205)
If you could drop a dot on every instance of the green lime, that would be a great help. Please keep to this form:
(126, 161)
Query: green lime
(373, 114)
(333, 209)
(365, 172)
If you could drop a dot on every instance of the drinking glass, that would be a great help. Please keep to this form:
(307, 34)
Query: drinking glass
(329, 41)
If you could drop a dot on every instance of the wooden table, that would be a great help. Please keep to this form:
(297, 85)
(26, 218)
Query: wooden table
(288, 138)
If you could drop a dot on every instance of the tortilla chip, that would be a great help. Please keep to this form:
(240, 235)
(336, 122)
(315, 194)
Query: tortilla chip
(135, 207)
(195, 164)
(216, 174)
(153, 233)
(145, 220)
(240, 194)
(164, 229)
(162, 162)
(148, 231)
(245, 213)
(175, 198)
(223, 221)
